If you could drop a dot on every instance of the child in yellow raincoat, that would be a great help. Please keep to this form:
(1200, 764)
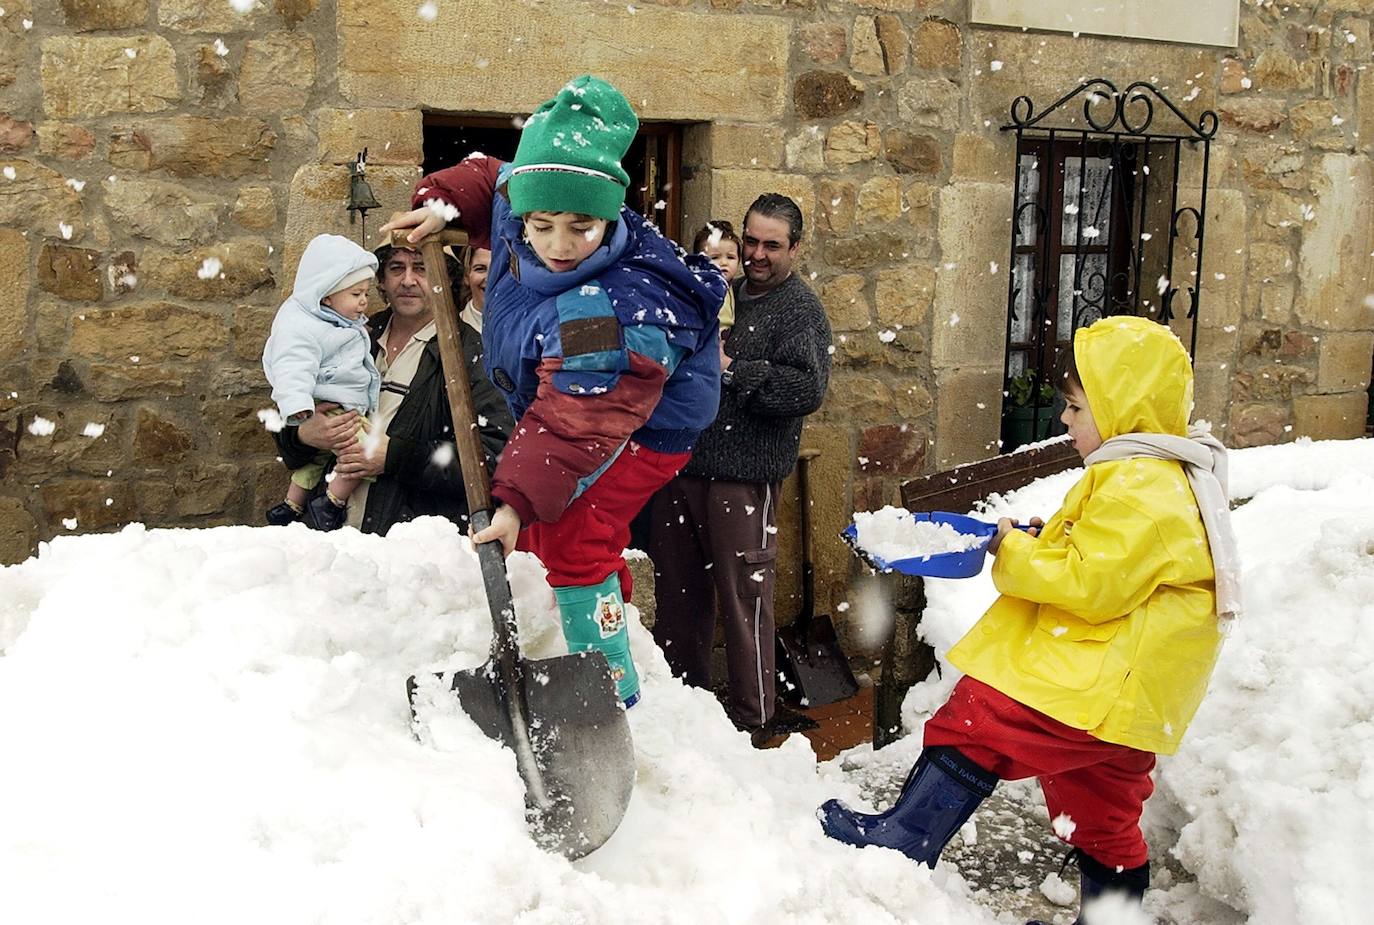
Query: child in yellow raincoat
(1098, 651)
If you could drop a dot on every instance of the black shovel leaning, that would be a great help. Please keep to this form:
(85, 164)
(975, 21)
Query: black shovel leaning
(560, 716)
(808, 651)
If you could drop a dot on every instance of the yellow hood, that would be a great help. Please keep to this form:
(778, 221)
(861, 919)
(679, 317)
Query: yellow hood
(1136, 376)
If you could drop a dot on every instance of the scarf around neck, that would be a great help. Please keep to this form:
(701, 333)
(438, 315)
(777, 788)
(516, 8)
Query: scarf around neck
(1204, 462)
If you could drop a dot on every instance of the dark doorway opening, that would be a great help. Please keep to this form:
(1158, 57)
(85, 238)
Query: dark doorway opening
(654, 161)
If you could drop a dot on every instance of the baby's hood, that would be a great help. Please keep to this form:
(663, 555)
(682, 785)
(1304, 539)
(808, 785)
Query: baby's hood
(1136, 375)
(328, 258)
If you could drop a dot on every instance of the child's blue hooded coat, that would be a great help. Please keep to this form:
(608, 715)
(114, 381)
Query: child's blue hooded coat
(314, 353)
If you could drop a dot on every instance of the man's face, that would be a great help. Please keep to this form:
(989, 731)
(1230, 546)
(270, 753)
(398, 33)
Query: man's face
(402, 283)
(767, 254)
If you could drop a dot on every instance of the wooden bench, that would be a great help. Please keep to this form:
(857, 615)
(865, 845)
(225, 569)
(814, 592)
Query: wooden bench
(907, 659)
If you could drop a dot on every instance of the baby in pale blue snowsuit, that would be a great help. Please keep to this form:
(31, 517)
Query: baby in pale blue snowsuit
(320, 350)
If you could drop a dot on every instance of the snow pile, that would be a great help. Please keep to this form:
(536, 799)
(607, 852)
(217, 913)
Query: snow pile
(892, 534)
(210, 726)
(1270, 800)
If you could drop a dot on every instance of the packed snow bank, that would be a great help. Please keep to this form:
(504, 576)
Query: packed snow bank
(1270, 800)
(211, 726)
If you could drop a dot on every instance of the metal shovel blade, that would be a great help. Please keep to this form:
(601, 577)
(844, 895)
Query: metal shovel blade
(812, 659)
(580, 738)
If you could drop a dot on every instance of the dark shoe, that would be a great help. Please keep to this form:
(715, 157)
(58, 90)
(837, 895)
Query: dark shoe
(1096, 879)
(326, 514)
(282, 514)
(939, 796)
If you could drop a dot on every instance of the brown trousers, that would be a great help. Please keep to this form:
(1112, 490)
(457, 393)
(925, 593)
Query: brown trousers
(716, 541)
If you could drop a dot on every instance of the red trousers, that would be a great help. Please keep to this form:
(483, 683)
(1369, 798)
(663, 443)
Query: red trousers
(587, 543)
(1100, 788)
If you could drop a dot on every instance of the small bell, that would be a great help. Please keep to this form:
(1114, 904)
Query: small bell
(360, 196)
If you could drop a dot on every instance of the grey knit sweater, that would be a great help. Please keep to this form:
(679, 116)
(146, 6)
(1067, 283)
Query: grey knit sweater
(780, 346)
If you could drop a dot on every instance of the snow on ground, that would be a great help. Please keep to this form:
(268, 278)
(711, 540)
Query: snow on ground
(1268, 802)
(210, 726)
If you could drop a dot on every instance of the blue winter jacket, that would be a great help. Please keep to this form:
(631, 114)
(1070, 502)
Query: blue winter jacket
(314, 353)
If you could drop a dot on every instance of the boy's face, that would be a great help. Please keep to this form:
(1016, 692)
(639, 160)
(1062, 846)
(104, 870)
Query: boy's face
(1078, 418)
(562, 240)
(477, 276)
(350, 302)
(725, 255)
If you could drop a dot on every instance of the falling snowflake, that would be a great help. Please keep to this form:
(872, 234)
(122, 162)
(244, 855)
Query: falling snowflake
(271, 420)
(887, 337)
(995, 66)
(69, 523)
(442, 455)
(93, 430)
(75, 185)
(1063, 826)
(209, 268)
(41, 427)
(221, 49)
(429, 11)
(65, 230)
(242, 6)
(131, 53)
(9, 173)
(442, 209)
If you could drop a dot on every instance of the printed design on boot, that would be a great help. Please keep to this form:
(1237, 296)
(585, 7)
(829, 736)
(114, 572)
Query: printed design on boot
(610, 615)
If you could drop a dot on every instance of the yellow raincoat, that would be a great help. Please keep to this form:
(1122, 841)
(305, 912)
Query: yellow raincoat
(1107, 621)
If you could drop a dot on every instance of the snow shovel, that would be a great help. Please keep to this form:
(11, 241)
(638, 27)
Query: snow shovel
(811, 658)
(560, 716)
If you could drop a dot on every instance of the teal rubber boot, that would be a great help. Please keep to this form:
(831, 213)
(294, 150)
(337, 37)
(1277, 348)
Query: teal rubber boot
(594, 618)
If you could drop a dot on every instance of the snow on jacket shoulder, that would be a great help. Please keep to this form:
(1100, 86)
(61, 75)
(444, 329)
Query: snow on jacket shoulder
(314, 353)
(623, 347)
(1107, 620)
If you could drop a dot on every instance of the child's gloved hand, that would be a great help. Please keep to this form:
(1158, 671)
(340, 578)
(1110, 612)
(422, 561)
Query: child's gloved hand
(1006, 524)
(505, 526)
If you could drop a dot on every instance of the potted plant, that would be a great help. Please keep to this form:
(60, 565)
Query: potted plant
(1028, 411)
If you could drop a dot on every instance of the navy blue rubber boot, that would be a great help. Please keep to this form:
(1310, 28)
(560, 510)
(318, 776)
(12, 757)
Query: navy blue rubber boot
(1096, 879)
(940, 794)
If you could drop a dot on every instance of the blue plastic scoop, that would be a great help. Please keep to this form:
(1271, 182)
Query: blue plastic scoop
(963, 564)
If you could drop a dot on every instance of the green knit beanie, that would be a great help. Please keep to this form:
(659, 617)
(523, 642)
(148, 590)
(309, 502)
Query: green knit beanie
(570, 150)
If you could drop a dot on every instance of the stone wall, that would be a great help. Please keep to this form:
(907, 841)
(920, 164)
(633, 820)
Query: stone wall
(139, 138)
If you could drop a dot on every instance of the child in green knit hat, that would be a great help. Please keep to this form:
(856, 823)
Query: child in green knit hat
(603, 336)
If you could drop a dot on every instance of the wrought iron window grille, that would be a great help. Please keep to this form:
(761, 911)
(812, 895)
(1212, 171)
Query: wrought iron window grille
(1109, 217)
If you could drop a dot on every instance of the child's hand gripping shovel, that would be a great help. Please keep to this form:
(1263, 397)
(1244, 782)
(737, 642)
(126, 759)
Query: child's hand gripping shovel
(560, 716)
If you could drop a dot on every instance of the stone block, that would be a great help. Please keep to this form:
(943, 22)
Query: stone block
(970, 320)
(229, 270)
(1253, 114)
(910, 399)
(850, 143)
(1276, 301)
(750, 146)
(144, 209)
(880, 200)
(1222, 297)
(734, 74)
(14, 41)
(1269, 262)
(15, 134)
(203, 490)
(824, 42)
(985, 157)
(838, 199)
(866, 54)
(1233, 76)
(1312, 122)
(233, 425)
(159, 441)
(70, 448)
(293, 12)
(1258, 424)
(873, 350)
(930, 103)
(1334, 262)
(894, 41)
(1344, 361)
(95, 15)
(911, 153)
(251, 326)
(277, 73)
(84, 77)
(1278, 70)
(866, 250)
(38, 199)
(892, 449)
(1330, 417)
(70, 272)
(905, 294)
(95, 504)
(732, 191)
(194, 146)
(968, 420)
(237, 381)
(937, 45)
(255, 208)
(846, 304)
(316, 206)
(805, 150)
(65, 140)
(123, 381)
(825, 95)
(201, 16)
(153, 332)
(14, 295)
(18, 532)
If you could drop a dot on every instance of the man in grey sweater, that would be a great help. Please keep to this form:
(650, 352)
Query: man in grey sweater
(713, 527)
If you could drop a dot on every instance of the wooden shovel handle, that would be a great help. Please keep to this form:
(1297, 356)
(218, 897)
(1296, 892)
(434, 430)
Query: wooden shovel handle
(454, 237)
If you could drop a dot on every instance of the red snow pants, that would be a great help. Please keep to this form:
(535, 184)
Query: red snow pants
(587, 543)
(1099, 786)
